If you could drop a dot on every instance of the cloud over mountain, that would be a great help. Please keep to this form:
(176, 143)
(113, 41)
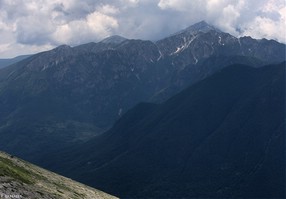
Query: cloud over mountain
(29, 26)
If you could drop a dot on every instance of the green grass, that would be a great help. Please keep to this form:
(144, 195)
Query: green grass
(62, 186)
(8, 168)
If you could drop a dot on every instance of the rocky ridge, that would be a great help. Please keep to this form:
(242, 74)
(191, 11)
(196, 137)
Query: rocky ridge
(72, 94)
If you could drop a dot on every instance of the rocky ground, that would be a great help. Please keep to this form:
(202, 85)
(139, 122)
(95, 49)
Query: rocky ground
(20, 179)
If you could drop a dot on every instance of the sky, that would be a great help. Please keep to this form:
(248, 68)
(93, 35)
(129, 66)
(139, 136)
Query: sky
(30, 26)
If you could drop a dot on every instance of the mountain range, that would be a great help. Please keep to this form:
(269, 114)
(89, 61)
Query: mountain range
(69, 95)
(211, 124)
(223, 137)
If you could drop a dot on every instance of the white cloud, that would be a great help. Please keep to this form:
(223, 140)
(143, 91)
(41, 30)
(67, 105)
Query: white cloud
(130, 2)
(108, 9)
(262, 27)
(259, 18)
(270, 24)
(36, 25)
(227, 20)
(34, 30)
(20, 49)
(181, 5)
(95, 26)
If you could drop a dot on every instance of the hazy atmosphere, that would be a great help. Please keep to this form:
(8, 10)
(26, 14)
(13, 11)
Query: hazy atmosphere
(31, 26)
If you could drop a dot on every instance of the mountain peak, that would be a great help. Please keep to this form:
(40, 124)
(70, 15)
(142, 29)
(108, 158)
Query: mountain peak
(201, 26)
(64, 46)
(115, 39)
(62, 49)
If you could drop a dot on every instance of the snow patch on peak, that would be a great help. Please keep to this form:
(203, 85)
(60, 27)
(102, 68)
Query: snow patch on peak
(160, 55)
(185, 45)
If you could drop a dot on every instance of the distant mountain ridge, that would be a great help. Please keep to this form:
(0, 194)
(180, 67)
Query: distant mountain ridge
(7, 62)
(71, 94)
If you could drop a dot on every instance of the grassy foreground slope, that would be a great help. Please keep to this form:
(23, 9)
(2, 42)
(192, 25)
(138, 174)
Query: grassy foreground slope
(21, 179)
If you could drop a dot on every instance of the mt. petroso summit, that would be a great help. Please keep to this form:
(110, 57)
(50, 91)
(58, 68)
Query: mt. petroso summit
(75, 110)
